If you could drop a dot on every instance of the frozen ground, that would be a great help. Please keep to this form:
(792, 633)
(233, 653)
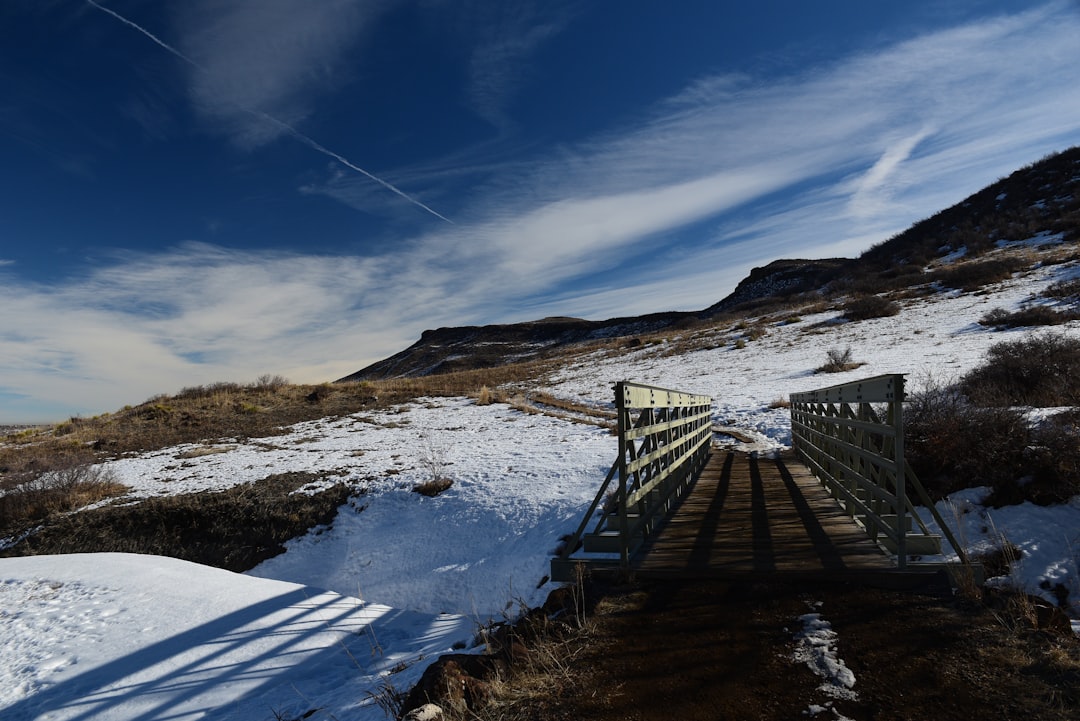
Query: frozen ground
(400, 578)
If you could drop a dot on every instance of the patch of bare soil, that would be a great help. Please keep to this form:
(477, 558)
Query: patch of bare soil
(724, 650)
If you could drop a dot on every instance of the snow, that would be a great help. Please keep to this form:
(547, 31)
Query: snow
(815, 646)
(519, 481)
(1041, 239)
(398, 578)
(122, 636)
(1048, 538)
(938, 335)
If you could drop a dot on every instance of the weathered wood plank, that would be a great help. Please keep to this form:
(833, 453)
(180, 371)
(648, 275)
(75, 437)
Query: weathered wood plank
(758, 516)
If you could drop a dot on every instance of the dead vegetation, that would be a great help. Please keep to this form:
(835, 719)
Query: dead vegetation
(36, 487)
(235, 529)
(976, 427)
(724, 649)
(838, 361)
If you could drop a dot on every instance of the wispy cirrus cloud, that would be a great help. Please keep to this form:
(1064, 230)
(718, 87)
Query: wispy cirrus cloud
(273, 56)
(860, 149)
(505, 35)
(250, 104)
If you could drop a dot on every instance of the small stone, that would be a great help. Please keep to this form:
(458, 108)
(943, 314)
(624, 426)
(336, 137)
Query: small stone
(427, 712)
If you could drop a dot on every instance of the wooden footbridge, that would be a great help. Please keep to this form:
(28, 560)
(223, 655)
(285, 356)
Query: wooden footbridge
(676, 504)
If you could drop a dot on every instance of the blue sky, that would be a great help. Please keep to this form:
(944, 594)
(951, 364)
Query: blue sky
(216, 189)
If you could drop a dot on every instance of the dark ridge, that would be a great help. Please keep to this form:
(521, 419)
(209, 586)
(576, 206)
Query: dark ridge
(445, 350)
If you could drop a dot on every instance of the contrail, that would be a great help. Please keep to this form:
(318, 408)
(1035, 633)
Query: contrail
(270, 118)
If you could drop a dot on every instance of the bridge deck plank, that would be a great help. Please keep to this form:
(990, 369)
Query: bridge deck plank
(748, 515)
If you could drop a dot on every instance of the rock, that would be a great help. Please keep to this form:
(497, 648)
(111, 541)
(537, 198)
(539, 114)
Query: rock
(458, 680)
(427, 712)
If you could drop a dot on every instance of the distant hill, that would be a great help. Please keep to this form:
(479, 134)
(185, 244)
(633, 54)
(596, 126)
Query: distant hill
(451, 349)
(1039, 199)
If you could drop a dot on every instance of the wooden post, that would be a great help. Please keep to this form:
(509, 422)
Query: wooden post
(896, 411)
(624, 521)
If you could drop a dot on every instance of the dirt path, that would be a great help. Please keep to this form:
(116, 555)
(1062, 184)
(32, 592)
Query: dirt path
(716, 650)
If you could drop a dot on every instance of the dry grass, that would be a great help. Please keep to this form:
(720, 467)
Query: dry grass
(38, 488)
(233, 411)
(233, 529)
(535, 660)
(433, 487)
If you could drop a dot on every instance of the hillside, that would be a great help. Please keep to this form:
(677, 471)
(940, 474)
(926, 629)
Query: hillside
(1040, 200)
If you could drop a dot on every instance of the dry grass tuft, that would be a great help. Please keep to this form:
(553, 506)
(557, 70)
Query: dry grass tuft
(433, 487)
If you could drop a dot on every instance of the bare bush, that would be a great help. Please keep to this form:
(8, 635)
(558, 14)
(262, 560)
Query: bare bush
(433, 459)
(33, 496)
(1054, 457)
(1038, 370)
(974, 275)
(1064, 290)
(952, 444)
(1029, 316)
(869, 306)
(838, 361)
(269, 383)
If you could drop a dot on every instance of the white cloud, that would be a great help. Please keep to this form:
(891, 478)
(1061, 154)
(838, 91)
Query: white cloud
(269, 56)
(197, 314)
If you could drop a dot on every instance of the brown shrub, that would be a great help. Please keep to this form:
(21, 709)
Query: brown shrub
(1029, 316)
(1040, 370)
(869, 306)
(1054, 459)
(952, 444)
(42, 490)
(972, 276)
(1064, 290)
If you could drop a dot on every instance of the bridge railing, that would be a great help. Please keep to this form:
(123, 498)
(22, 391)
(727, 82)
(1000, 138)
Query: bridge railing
(663, 443)
(852, 437)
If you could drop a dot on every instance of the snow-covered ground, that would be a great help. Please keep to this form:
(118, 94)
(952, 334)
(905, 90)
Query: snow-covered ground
(399, 578)
(123, 636)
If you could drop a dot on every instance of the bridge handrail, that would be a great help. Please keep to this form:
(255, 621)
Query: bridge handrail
(859, 457)
(663, 441)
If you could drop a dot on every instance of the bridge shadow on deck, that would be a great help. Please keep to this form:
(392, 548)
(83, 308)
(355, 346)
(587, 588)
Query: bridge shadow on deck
(748, 516)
